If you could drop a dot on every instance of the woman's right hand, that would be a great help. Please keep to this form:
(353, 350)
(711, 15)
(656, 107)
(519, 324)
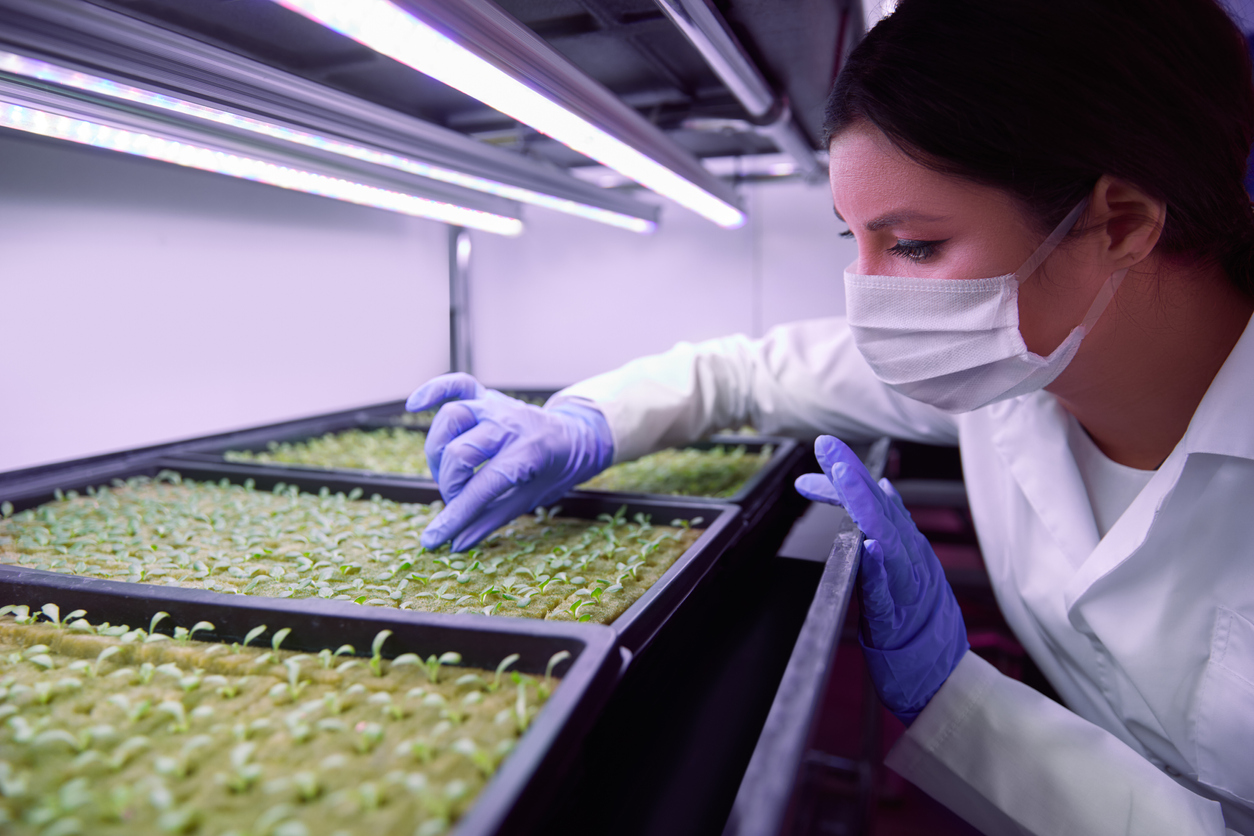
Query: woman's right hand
(530, 455)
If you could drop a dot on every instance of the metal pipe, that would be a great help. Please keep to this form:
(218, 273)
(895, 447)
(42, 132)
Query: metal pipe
(461, 344)
(706, 30)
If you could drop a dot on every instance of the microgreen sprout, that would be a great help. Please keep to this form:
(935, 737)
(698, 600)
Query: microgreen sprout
(278, 638)
(182, 634)
(376, 651)
(434, 662)
(156, 619)
(521, 715)
(500, 669)
(244, 774)
(554, 660)
(111, 650)
(294, 685)
(325, 656)
(369, 735)
(308, 787)
(253, 633)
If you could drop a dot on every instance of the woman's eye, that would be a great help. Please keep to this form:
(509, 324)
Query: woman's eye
(848, 233)
(915, 250)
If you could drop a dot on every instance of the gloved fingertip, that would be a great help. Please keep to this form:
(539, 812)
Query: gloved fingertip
(873, 558)
(817, 488)
(877, 600)
(829, 450)
(414, 403)
(432, 539)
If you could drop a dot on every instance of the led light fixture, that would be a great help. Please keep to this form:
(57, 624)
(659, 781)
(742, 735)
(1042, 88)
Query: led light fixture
(45, 71)
(394, 32)
(59, 126)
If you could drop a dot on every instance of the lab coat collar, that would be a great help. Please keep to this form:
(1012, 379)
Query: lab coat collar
(1031, 438)
(1224, 421)
(1222, 425)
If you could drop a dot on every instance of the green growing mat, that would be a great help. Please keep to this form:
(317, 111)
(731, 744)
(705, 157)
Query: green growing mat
(386, 450)
(286, 544)
(109, 730)
(718, 472)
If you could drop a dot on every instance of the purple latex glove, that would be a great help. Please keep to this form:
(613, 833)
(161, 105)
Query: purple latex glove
(912, 632)
(530, 455)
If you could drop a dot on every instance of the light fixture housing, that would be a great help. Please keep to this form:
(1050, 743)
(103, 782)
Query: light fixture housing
(475, 47)
(47, 114)
(207, 95)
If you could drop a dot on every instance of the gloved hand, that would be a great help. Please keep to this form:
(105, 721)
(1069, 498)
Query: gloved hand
(912, 632)
(532, 455)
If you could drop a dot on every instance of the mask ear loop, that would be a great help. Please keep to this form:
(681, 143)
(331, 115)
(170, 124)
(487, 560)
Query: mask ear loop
(1049, 244)
(1107, 292)
(1108, 288)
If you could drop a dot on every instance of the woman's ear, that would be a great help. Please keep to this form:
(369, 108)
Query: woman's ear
(1130, 221)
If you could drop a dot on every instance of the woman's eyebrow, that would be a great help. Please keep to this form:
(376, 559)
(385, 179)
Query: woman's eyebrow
(893, 218)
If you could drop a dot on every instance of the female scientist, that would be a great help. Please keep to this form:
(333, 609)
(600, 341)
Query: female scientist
(1056, 272)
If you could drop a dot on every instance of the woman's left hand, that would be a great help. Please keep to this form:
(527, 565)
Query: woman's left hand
(912, 632)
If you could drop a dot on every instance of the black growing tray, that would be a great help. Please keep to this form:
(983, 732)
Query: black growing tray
(760, 492)
(517, 794)
(635, 627)
(754, 497)
(256, 439)
(54, 474)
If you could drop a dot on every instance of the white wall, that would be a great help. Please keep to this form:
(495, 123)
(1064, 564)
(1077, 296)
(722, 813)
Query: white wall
(569, 298)
(141, 302)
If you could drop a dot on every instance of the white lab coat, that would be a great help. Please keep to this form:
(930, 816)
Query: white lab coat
(1147, 633)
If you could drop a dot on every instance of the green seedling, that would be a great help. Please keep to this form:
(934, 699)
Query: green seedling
(278, 638)
(177, 713)
(326, 657)
(182, 634)
(435, 662)
(369, 736)
(294, 686)
(253, 633)
(500, 669)
(243, 774)
(483, 760)
(556, 659)
(307, 785)
(521, 715)
(53, 614)
(109, 652)
(376, 651)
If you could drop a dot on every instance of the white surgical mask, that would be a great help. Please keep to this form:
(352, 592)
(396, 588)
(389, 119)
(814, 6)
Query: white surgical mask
(955, 343)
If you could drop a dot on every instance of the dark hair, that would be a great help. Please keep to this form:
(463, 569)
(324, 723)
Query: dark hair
(1042, 97)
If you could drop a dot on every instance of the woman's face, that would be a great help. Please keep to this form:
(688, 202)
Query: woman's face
(911, 221)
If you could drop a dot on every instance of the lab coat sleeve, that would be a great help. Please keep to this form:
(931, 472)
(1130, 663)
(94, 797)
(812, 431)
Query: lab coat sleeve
(800, 380)
(1011, 761)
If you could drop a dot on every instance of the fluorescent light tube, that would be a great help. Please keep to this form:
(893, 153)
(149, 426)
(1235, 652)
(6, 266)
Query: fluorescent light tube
(44, 71)
(44, 123)
(394, 32)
